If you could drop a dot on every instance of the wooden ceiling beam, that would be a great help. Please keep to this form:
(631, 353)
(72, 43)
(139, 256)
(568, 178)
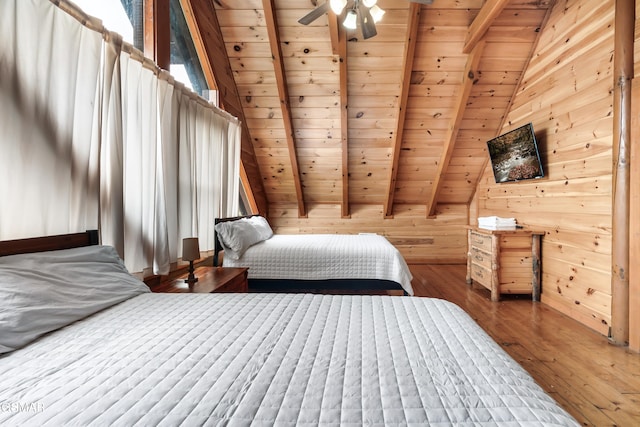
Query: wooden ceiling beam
(470, 77)
(339, 48)
(335, 31)
(271, 21)
(205, 22)
(409, 53)
(478, 28)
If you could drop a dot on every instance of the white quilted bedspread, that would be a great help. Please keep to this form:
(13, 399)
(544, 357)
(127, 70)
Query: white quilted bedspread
(325, 256)
(271, 359)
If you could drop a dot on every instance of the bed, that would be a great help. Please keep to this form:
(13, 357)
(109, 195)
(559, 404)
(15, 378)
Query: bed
(141, 358)
(310, 262)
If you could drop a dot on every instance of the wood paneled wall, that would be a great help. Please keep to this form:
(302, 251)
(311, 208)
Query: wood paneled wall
(442, 239)
(634, 223)
(567, 93)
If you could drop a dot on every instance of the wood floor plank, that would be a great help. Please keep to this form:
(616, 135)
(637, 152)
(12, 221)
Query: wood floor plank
(598, 383)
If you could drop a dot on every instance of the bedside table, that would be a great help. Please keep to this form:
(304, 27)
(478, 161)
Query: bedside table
(505, 261)
(210, 280)
(221, 279)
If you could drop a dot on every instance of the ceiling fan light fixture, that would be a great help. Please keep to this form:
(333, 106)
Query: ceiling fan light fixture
(337, 6)
(376, 13)
(363, 13)
(350, 21)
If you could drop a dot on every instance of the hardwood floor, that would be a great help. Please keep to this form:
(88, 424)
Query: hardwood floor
(598, 383)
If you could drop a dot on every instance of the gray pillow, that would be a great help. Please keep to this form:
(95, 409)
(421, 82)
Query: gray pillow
(41, 292)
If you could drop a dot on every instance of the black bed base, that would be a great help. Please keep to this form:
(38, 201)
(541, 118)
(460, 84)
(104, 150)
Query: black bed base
(343, 286)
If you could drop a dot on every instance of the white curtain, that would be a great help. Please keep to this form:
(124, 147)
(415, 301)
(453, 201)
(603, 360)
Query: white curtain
(49, 162)
(92, 138)
(206, 136)
(111, 153)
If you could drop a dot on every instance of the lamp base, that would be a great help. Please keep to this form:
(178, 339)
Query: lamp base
(191, 278)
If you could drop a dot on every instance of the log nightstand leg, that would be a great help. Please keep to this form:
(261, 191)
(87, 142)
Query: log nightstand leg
(535, 256)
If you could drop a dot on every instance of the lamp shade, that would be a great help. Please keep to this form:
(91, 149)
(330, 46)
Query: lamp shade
(337, 6)
(376, 13)
(350, 20)
(190, 249)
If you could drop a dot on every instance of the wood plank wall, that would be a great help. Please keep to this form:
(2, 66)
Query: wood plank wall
(634, 223)
(441, 240)
(567, 93)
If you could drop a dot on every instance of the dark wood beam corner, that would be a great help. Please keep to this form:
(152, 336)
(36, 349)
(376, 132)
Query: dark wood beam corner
(157, 40)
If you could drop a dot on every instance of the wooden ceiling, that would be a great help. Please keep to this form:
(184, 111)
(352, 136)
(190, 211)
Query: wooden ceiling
(400, 118)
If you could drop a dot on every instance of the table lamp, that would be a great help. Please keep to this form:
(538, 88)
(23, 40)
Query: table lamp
(190, 252)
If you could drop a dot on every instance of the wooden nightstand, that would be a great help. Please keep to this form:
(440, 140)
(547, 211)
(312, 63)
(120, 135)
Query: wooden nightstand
(505, 261)
(210, 279)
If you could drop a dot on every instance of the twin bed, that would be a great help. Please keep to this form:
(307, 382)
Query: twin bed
(310, 262)
(85, 343)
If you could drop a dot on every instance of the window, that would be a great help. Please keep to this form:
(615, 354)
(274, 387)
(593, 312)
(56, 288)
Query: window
(126, 17)
(113, 15)
(184, 58)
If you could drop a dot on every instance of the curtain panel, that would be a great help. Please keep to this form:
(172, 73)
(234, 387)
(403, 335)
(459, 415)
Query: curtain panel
(48, 85)
(95, 136)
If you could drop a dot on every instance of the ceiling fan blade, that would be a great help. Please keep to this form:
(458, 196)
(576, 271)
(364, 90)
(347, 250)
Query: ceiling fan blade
(366, 22)
(422, 1)
(314, 14)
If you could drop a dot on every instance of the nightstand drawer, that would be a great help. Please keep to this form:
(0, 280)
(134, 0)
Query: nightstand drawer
(480, 241)
(481, 275)
(480, 258)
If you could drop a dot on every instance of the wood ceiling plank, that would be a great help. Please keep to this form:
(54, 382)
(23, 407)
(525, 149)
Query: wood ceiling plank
(247, 34)
(311, 64)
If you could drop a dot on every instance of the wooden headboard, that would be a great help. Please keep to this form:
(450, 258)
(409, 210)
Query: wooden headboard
(49, 243)
(218, 246)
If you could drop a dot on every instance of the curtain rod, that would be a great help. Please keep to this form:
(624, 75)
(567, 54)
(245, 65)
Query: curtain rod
(95, 24)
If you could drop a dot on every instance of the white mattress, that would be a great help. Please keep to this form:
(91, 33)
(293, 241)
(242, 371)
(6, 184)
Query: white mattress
(265, 359)
(325, 256)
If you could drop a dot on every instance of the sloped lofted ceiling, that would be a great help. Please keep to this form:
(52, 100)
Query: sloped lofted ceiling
(400, 118)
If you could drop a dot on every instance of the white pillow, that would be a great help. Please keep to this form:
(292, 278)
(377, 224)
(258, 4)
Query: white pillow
(41, 292)
(262, 227)
(239, 235)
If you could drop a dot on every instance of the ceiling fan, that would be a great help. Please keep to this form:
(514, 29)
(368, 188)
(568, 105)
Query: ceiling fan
(366, 12)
